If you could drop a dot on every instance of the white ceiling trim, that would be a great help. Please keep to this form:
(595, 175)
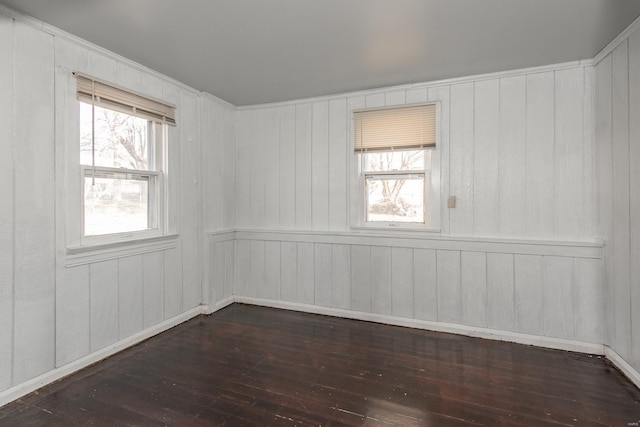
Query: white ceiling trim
(635, 25)
(57, 32)
(430, 84)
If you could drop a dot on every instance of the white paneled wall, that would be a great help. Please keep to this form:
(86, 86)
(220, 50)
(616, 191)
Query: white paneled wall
(57, 308)
(618, 154)
(550, 291)
(516, 151)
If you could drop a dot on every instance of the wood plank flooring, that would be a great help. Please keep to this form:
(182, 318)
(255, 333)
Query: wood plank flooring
(255, 366)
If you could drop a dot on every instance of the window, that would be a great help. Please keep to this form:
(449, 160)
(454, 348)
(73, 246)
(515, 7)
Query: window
(122, 148)
(396, 148)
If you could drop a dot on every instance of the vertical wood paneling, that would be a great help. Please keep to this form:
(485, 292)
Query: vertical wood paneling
(529, 299)
(243, 168)
(130, 296)
(190, 201)
(473, 278)
(381, 280)
(102, 66)
(257, 265)
(634, 183)
(306, 292)
(513, 156)
(271, 163)
(287, 167)
(569, 198)
(605, 184)
(398, 97)
(486, 156)
(243, 267)
(323, 274)
(557, 273)
(128, 77)
(500, 291)
(289, 271)
(402, 282)
(6, 208)
(229, 167)
(213, 282)
(338, 164)
(34, 251)
(540, 156)
(149, 83)
(73, 316)
(425, 289)
(172, 282)
(621, 198)
(588, 153)
(417, 96)
(341, 276)
(448, 278)
(354, 204)
(320, 166)
(104, 304)
(443, 94)
(259, 167)
(303, 166)
(588, 316)
(213, 200)
(171, 93)
(230, 271)
(272, 265)
(153, 288)
(361, 278)
(461, 154)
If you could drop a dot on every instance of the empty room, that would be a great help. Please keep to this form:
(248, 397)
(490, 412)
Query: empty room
(320, 213)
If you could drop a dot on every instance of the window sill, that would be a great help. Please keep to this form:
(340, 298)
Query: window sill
(393, 229)
(87, 254)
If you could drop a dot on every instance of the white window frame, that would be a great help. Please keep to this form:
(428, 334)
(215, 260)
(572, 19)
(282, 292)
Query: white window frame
(158, 194)
(82, 249)
(432, 195)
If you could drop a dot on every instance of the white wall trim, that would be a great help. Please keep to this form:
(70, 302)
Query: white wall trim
(470, 331)
(615, 42)
(628, 370)
(429, 241)
(57, 32)
(210, 309)
(56, 374)
(433, 83)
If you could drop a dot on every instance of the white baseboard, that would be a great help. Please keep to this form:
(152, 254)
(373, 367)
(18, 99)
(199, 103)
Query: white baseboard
(623, 365)
(493, 334)
(210, 309)
(56, 374)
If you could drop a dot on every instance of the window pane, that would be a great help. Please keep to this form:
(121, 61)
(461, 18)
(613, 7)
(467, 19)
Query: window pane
(389, 161)
(121, 140)
(395, 198)
(116, 204)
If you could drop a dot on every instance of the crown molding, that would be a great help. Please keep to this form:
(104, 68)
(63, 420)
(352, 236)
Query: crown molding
(616, 42)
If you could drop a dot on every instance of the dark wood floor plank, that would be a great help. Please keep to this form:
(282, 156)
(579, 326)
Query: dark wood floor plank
(254, 366)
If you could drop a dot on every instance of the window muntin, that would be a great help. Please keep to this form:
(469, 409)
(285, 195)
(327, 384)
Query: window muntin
(122, 174)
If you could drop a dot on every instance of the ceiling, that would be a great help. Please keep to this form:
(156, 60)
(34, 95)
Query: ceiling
(258, 51)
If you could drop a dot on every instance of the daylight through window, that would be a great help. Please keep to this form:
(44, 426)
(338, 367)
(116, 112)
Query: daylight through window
(122, 162)
(394, 146)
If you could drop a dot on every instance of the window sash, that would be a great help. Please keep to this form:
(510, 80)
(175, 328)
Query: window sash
(155, 188)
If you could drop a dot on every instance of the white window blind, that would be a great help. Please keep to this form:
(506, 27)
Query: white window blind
(96, 92)
(406, 127)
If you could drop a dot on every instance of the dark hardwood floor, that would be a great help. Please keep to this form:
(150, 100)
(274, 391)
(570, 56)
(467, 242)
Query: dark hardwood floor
(249, 365)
